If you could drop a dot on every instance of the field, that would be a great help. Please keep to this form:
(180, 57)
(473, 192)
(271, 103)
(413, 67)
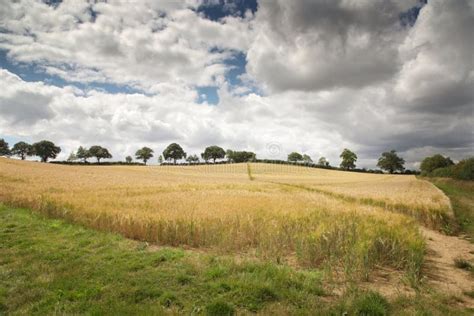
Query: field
(338, 227)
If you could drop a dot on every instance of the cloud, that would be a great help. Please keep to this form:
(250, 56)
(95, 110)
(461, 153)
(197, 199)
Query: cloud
(334, 74)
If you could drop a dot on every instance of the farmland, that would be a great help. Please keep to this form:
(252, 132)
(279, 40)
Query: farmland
(345, 225)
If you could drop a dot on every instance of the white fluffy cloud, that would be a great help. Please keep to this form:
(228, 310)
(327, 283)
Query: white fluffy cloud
(334, 74)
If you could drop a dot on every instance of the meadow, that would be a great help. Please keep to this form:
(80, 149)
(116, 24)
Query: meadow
(349, 223)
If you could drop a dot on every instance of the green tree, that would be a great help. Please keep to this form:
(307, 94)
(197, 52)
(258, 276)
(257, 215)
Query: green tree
(240, 156)
(391, 162)
(22, 150)
(323, 162)
(174, 152)
(295, 157)
(160, 159)
(213, 152)
(434, 162)
(46, 149)
(144, 154)
(348, 159)
(307, 159)
(83, 153)
(192, 159)
(128, 159)
(99, 152)
(72, 157)
(4, 148)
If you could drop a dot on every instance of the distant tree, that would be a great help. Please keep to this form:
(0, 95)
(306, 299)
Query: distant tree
(391, 162)
(83, 153)
(174, 152)
(434, 162)
(307, 159)
(46, 149)
(72, 157)
(240, 156)
(213, 152)
(348, 159)
(4, 148)
(99, 152)
(128, 159)
(22, 150)
(144, 154)
(295, 157)
(192, 159)
(160, 159)
(323, 162)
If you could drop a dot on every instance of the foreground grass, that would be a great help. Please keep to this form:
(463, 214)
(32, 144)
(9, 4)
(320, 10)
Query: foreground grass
(461, 194)
(51, 267)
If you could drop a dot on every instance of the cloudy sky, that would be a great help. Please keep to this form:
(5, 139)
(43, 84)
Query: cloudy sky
(272, 76)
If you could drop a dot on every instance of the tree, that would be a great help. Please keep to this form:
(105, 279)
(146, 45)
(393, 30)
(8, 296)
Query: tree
(46, 149)
(434, 162)
(4, 148)
(83, 153)
(348, 159)
(144, 154)
(192, 159)
(99, 153)
(72, 157)
(391, 162)
(213, 152)
(323, 162)
(295, 157)
(128, 159)
(240, 156)
(22, 150)
(160, 159)
(307, 159)
(174, 152)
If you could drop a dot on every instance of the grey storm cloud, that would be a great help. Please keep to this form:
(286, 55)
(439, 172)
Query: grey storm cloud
(26, 107)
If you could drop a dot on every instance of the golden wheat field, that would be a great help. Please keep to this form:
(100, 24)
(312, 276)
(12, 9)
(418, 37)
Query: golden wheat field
(312, 217)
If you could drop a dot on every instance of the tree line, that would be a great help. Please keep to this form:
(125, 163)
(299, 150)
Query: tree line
(389, 161)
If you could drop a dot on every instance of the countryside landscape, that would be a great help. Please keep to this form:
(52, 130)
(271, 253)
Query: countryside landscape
(236, 158)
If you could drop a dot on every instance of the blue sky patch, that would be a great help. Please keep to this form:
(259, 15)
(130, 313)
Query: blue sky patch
(216, 10)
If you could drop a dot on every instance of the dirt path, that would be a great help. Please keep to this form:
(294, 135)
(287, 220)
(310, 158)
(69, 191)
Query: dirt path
(440, 270)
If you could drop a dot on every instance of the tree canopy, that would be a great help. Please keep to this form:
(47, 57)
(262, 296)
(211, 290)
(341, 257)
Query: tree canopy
(4, 148)
(294, 157)
(128, 159)
(174, 152)
(22, 149)
(391, 162)
(213, 152)
(240, 156)
(348, 159)
(46, 149)
(192, 159)
(434, 162)
(323, 162)
(307, 159)
(99, 152)
(144, 154)
(83, 153)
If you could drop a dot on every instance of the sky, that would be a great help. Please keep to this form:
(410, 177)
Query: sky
(269, 76)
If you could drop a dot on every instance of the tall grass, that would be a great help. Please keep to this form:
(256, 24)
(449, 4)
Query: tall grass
(225, 212)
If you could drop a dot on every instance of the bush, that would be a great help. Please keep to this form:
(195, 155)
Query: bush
(463, 170)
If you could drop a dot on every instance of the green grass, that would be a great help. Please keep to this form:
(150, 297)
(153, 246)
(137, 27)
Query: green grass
(48, 266)
(461, 194)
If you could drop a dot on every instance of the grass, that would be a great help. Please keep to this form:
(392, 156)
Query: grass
(49, 266)
(249, 209)
(461, 194)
